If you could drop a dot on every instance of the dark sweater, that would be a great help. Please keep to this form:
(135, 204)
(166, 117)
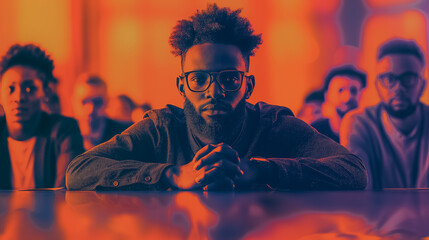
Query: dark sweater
(136, 159)
(323, 126)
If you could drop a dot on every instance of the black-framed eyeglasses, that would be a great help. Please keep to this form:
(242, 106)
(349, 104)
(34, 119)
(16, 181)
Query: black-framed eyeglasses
(408, 80)
(200, 81)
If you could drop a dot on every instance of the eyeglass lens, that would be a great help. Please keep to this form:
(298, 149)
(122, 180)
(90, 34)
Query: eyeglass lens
(201, 81)
(407, 80)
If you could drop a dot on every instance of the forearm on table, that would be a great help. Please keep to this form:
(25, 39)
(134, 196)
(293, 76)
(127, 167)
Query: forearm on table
(335, 172)
(100, 173)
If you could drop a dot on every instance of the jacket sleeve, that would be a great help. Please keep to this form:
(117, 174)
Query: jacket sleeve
(127, 161)
(314, 161)
(69, 145)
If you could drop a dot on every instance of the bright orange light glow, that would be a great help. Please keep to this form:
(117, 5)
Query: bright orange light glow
(51, 30)
(319, 226)
(200, 216)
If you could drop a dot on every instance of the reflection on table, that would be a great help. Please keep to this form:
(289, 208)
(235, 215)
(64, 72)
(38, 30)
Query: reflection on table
(394, 214)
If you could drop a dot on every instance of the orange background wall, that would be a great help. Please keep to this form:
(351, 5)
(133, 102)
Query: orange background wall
(126, 41)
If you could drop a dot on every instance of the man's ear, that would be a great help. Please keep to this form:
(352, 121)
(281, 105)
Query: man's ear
(180, 86)
(47, 93)
(250, 86)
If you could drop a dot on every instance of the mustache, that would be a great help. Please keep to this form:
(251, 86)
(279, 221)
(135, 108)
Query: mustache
(218, 104)
(400, 97)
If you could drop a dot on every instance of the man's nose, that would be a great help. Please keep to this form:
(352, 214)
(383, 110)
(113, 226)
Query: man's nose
(89, 108)
(20, 96)
(215, 91)
(346, 96)
(398, 87)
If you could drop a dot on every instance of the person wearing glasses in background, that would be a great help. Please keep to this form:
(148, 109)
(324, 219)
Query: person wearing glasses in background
(392, 138)
(218, 141)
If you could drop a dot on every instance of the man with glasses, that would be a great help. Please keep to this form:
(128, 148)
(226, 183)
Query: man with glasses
(218, 141)
(392, 138)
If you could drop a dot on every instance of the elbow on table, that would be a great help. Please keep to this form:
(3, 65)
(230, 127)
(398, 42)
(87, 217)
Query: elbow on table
(358, 179)
(75, 178)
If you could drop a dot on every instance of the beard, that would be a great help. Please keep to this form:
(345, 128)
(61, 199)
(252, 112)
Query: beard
(402, 113)
(222, 128)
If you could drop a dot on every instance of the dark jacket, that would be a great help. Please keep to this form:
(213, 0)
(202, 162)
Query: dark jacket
(136, 159)
(112, 128)
(324, 127)
(58, 140)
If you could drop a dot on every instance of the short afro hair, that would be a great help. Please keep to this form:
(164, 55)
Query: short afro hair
(215, 25)
(345, 70)
(315, 96)
(29, 55)
(401, 46)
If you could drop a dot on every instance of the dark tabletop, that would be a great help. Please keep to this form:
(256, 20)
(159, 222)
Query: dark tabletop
(390, 214)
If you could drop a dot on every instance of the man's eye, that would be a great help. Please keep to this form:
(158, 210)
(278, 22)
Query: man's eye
(11, 89)
(391, 79)
(30, 89)
(199, 78)
(98, 102)
(409, 77)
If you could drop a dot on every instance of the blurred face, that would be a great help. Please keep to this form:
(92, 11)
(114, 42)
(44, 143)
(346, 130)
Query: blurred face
(343, 94)
(311, 112)
(214, 108)
(89, 104)
(400, 83)
(22, 94)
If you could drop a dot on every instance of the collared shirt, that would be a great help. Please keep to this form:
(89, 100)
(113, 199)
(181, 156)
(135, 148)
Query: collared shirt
(136, 159)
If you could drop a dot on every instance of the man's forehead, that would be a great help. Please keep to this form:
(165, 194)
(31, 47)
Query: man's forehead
(86, 91)
(398, 63)
(21, 73)
(213, 56)
(345, 79)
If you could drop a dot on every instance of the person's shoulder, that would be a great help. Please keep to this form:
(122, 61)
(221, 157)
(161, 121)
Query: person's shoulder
(166, 115)
(53, 120)
(273, 112)
(321, 122)
(359, 123)
(58, 126)
(281, 119)
(367, 114)
(115, 124)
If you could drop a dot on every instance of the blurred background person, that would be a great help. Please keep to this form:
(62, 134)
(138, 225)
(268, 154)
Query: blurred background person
(392, 137)
(139, 112)
(342, 88)
(311, 110)
(52, 102)
(35, 147)
(89, 105)
(120, 108)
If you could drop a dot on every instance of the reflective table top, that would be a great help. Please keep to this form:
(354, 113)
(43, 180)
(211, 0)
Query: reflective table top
(390, 214)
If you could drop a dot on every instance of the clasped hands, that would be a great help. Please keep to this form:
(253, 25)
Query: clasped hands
(214, 167)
